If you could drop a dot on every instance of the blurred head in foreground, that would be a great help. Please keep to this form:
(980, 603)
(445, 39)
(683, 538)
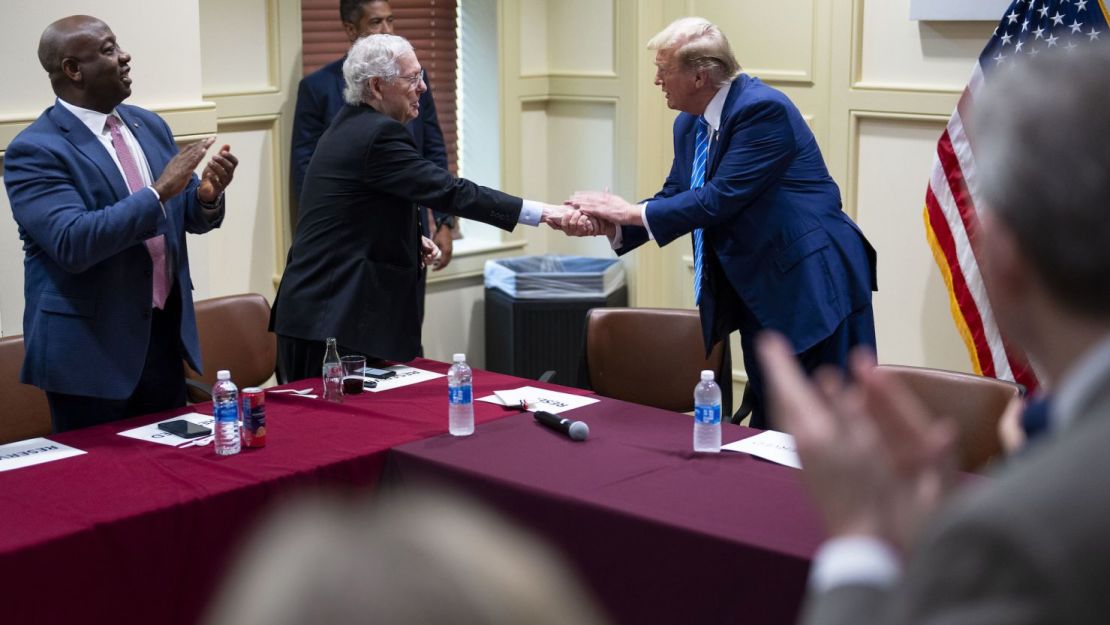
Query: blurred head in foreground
(401, 560)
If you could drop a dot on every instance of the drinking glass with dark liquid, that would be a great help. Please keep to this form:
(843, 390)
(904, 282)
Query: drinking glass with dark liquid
(352, 374)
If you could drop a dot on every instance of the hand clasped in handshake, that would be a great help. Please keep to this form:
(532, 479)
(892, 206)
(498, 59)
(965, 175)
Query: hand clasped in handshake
(592, 213)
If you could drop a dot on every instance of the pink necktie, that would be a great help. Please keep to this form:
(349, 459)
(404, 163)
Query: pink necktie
(156, 246)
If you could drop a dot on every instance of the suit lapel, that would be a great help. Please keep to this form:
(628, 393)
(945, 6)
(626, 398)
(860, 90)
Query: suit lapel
(156, 157)
(715, 153)
(79, 135)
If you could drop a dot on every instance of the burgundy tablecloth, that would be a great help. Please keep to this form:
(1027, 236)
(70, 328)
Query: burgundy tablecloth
(660, 534)
(134, 532)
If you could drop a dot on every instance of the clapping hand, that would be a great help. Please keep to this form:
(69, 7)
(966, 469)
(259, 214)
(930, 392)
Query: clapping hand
(875, 461)
(217, 175)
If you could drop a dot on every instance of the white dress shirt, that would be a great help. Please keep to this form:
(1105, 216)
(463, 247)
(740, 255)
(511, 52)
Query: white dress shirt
(97, 124)
(712, 115)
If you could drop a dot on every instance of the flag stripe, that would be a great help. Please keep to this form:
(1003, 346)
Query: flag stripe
(965, 274)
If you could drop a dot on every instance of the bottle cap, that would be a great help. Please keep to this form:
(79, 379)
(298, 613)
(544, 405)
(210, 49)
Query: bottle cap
(459, 358)
(706, 375)
(223, 374)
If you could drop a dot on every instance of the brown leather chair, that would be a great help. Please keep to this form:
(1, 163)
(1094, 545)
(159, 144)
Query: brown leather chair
(234, 336)
(652, 356)
(975, 402)
(25, 413)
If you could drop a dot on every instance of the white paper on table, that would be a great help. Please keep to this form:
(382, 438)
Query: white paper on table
(778, 447)
(405, 376)
(34, 451)
(539, 399)
(152, 434)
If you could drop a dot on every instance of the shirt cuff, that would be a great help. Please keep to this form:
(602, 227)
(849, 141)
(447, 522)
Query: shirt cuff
(854, 560)
(531, 212)
(159, 198)
(643, 218)
(617, 239)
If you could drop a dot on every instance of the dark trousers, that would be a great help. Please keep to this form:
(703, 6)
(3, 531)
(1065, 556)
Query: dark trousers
(161, 385)
(857, 329)
(300, 359)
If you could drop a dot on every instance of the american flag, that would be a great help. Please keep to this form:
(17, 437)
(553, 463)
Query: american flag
(952, 202)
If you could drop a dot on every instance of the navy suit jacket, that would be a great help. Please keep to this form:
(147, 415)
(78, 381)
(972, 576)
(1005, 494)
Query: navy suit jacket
(772, 217)
(87, 273)
(319, 98)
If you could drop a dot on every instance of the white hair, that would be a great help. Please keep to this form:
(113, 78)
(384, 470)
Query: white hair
(373, 56)
(698, 44)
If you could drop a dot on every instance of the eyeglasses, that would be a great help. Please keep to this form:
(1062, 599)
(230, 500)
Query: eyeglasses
(413, 80)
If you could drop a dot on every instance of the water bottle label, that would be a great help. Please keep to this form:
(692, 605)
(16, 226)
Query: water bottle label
(227, 412)
(460, 394)
(708, 415)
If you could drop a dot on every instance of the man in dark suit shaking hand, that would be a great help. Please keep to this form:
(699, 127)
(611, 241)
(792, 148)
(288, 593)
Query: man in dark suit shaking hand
(103, 199)
(358, 256)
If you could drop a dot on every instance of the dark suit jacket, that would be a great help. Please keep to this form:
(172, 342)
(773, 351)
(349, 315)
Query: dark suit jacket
(1026, 548)
(87, 273)
(354, 269)
(772, 218)
(319, 98)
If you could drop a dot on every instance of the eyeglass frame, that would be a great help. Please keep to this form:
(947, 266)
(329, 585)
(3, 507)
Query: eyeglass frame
(413, 80)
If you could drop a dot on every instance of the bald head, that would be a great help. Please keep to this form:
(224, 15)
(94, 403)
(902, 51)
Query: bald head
(85, 64)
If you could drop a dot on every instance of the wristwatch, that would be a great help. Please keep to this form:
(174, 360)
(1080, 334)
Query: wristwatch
(446, 220)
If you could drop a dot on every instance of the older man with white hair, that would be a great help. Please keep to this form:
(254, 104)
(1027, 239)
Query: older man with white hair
(357, 258)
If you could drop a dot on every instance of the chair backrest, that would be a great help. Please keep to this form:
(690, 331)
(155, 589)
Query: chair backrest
(25, 412)
(975, 402)
(234, 335)
(651, 356)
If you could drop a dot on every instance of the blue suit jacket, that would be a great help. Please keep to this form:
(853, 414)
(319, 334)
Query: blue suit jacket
(319, 98)
(87, 274)
(772, 216)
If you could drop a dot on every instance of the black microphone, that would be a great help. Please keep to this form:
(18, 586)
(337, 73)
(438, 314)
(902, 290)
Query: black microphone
(576, 430)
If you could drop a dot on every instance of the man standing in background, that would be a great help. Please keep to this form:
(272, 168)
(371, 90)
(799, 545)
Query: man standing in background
(103, 199)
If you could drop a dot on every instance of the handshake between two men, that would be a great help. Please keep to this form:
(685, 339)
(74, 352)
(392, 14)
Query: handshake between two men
(592, 213)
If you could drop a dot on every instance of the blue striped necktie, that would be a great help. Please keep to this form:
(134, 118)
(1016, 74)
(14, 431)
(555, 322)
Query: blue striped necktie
(697, 179)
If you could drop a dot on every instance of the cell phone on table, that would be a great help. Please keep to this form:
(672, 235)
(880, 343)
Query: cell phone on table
(184, 429)
(381, 374)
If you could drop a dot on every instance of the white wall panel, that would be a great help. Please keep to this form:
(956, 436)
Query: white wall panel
(232, 68)
(912, 319)
(898, 52)
(238, 257)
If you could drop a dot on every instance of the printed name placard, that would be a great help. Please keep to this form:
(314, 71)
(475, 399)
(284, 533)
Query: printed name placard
(778, 447)
(539, 399)
(405, 376)
(33, 451)
(151, 433)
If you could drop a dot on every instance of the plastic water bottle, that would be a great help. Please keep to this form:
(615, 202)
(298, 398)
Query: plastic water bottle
(225, 402)
(460, 412)
(707, 414)
(333, 373)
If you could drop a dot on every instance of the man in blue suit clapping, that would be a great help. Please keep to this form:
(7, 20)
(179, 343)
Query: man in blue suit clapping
(103, 199)
(772, 248)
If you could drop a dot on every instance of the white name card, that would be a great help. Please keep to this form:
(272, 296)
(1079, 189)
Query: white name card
(778, 447)
(33, 451)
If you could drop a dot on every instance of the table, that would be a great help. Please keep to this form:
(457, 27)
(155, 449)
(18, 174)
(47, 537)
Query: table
(660, 534)
(134, 532)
